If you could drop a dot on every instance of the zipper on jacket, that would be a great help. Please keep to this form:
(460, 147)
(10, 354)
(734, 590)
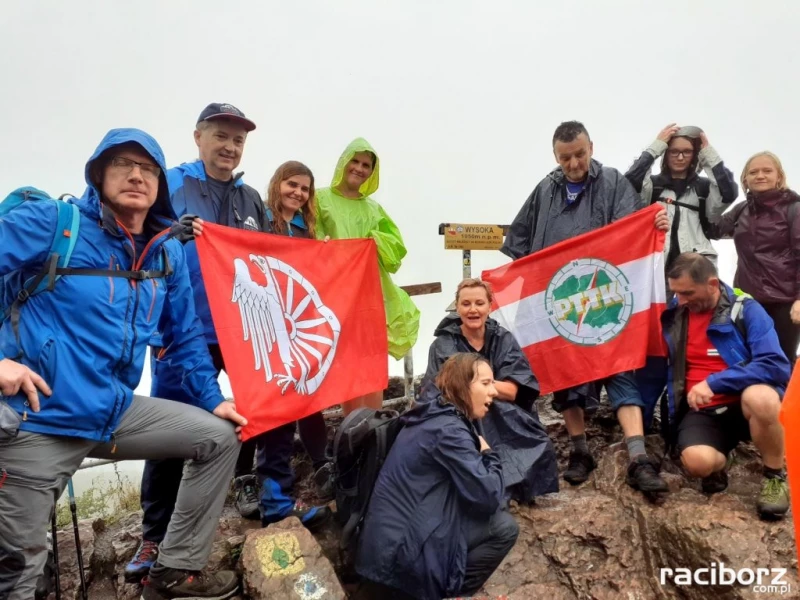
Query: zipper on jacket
(152, 300)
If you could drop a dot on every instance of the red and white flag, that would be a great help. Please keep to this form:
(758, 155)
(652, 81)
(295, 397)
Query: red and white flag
(301, 323)
(588, 307)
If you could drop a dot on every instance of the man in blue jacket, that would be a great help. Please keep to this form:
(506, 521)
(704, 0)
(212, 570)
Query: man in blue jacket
(727, 377)
(209, 189)
(71, 361)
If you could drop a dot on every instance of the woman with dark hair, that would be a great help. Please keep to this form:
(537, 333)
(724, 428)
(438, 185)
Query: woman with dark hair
(291, 211)
(436, 526)
(512, 426)
(766, 232)
(694, 204)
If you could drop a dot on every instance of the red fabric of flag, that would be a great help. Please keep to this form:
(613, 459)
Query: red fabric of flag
(301, 323)
(588, 307)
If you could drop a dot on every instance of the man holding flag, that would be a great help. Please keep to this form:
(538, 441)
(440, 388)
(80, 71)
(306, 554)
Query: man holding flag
(579, 196)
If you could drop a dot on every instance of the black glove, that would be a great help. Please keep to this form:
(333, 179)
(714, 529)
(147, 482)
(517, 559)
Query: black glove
(182, 229)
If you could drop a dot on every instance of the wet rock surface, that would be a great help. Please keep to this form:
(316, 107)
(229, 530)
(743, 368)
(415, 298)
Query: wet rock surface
(597, 541)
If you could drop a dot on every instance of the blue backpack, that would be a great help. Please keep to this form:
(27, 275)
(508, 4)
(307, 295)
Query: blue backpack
(15, 290)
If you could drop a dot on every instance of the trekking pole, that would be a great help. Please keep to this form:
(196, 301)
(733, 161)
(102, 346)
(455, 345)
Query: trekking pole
(74, 510)
(56, 568)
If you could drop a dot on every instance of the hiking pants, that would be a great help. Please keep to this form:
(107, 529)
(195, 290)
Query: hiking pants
(162, 478)
(651, 380)
(39, 466)
(487, 546)
(275, 449)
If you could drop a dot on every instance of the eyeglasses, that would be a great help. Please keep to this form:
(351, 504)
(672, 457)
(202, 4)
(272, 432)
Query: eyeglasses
(677, 153)
(125, 165)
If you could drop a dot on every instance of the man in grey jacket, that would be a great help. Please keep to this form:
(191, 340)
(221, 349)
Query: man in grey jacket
(694, 204)
(579, 196)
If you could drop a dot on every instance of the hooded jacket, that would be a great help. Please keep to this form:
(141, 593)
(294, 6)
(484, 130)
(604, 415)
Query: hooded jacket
(500, 349)
(87, 337)
(753, 358)
(345, 218)
(295, 228)
(512, 429)
(546, 219)
(686, 230)
(241, 208)
(433, 483)
(766, 232)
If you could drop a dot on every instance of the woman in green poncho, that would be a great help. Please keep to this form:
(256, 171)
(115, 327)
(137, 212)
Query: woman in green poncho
(345, 211)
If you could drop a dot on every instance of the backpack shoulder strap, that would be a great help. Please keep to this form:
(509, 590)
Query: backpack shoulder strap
(737, 311)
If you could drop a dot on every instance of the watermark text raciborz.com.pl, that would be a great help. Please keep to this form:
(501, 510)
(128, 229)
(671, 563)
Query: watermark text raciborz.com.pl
(761, 580)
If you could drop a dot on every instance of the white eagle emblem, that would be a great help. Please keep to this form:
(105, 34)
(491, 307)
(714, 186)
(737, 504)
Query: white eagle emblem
(291, 317)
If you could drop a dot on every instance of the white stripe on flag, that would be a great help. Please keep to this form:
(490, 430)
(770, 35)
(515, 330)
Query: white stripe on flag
(527, 318)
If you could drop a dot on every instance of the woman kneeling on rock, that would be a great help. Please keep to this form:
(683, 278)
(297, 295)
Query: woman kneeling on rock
(436, 525)
(512, 425)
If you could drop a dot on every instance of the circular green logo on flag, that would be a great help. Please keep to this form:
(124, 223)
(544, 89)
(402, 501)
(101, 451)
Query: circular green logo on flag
(589, 301)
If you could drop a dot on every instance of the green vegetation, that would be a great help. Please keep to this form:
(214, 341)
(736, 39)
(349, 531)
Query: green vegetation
(110, 501)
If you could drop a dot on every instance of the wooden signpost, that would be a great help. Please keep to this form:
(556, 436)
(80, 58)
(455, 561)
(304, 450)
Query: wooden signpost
(469, 237)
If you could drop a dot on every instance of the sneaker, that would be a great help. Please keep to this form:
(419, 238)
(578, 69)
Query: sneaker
(643, 475)
(773, 501)
(310, 516)
(141, 562)
(716, 482)
(580, 465)
(246, 488)
(323, 481)
(173, 583)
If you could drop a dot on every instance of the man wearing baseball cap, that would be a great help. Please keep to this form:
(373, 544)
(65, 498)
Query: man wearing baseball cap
(209, 189)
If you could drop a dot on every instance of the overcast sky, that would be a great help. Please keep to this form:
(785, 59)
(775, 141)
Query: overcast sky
(459, 98)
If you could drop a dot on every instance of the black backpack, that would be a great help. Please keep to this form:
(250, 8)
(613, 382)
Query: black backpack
(360, 448)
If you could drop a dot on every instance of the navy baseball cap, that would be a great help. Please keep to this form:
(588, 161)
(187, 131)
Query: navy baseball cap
(215, 110)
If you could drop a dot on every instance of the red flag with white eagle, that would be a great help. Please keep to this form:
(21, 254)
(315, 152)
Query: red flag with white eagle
(588, 307)
(301, 323)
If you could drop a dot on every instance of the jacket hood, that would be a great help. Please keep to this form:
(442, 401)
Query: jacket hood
(91, 200)
(430, 405)
(452, 324)
(595, 167)
(370, 186)
(773, 197)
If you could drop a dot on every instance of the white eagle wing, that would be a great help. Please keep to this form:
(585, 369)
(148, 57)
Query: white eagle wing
(257, 319)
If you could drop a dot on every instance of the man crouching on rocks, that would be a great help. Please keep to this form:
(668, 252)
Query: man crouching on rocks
(72, 357)
(727, 377)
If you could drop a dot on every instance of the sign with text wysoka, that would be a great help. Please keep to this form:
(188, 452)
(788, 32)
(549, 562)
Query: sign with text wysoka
(463, 236)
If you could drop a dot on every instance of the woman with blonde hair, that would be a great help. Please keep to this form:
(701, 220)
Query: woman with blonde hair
(766, 231)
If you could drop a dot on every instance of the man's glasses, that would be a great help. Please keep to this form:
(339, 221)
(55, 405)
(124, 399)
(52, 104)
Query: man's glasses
(125, 165)
(677, 153)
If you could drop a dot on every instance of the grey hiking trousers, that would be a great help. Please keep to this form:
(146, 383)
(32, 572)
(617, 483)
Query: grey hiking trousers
(39, 466)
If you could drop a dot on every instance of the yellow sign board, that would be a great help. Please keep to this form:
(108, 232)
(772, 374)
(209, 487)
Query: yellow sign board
(460, 236)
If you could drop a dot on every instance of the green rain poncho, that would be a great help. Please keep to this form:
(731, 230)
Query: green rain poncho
(345, 218)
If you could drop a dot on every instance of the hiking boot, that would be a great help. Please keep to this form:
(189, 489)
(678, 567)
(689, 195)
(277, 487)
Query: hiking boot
(310, 516)
(173, 583)
(579, 467)
(643, 475)
(140, 564)
(323, 481)
(716, 482)
(773, 501)
(246, 488)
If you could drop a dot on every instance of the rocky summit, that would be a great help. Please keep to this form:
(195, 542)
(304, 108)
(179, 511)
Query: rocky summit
(597, 541)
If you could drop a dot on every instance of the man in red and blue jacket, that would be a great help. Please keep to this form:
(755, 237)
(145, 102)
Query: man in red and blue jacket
(727, 376)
